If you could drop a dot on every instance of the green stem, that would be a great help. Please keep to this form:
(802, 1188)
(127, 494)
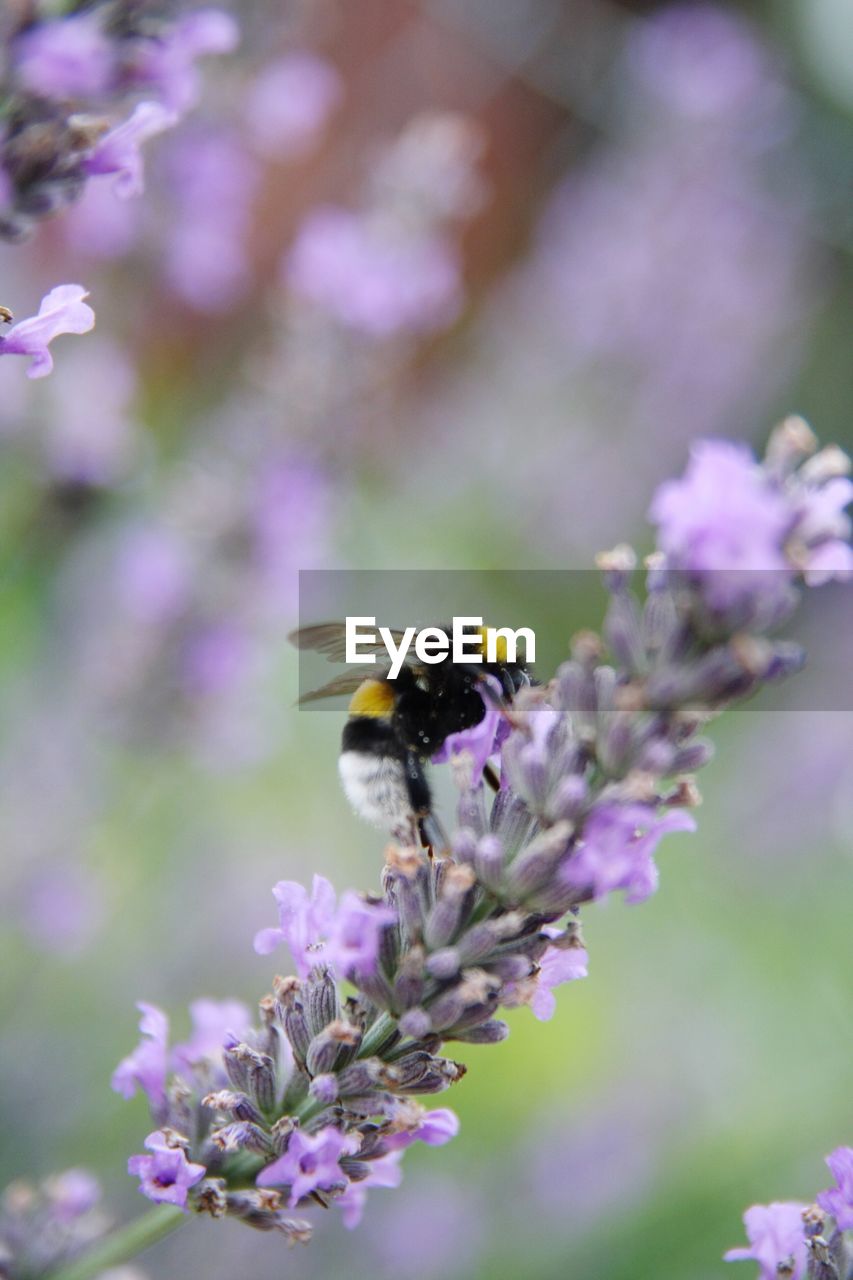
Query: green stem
(379, 1032)
(124, 1243)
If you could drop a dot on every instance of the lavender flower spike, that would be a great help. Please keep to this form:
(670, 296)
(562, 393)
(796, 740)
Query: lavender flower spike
(62, 311)
(776, 1240)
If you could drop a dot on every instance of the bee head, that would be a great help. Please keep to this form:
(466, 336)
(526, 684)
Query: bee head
(374, 699)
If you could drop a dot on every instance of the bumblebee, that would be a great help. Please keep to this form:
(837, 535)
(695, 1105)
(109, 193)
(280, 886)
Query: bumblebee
(396, 725)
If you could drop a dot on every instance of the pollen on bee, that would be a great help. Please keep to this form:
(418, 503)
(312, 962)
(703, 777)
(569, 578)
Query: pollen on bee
(373, 698)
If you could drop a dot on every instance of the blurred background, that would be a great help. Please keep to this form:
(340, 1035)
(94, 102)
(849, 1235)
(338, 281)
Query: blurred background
(448, 284)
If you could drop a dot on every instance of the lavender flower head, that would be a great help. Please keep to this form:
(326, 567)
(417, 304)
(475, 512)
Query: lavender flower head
(315, 1105)
(47, 1226)
(744, 531)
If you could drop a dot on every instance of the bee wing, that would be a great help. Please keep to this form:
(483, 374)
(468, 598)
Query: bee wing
(329, 638)
(346, 682)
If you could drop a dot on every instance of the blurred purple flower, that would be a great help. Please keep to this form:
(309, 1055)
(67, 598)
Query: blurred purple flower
(71, 58)
(152, 574)
(167, 65)
(118, 152)
(701, 61)
(373, 279)
(838, 1201)
(617, 847)
(776, 1236)
(725, 522)
(823, 527)
(92, 439)
(63, 907)
(212, 183)
(166, 1175)
(435, 1228)
(289, 102)
(100, 224)
(147, 1066)
(311, 1163)
(214, 659)
(292, 512)
(212, 1022)
(73, 1192)
(62, 311)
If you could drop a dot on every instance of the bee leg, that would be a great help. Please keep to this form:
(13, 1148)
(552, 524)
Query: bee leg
(433, 836)
(491, 778)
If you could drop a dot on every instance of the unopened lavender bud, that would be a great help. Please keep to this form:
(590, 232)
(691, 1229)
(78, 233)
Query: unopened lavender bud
(449, 910)
(623, 630)
(324, 1088)
(831, 463)
(475, 992)
(239, 1105)
(242, 1136)
(616, 742)
(321, 1003)
(404, 870)
(416, 1023)
(408, 986)
(491, 1032)
(790, 442)
(512, 821)
(236, 1068)
(359, 1077)
(535, 866)
(281, 1131)
(512, 967)
(617, 565)
(489, 861)
(695, 756)
(262, 1081)
(334, 1045)
(445, 963)
(288, 993)
(211, 1197)
(568, 799)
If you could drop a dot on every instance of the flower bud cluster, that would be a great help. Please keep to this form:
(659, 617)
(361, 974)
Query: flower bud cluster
(312, 1106)
(64, 81)
(45, 1226)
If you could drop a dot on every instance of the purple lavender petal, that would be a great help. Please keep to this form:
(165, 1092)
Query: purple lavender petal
(118, 152)
(62, 311)
(838, 1201)
(776, 1234)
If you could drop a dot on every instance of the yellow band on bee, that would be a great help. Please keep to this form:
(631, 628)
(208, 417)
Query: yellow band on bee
(500, 644)
(373, 698)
